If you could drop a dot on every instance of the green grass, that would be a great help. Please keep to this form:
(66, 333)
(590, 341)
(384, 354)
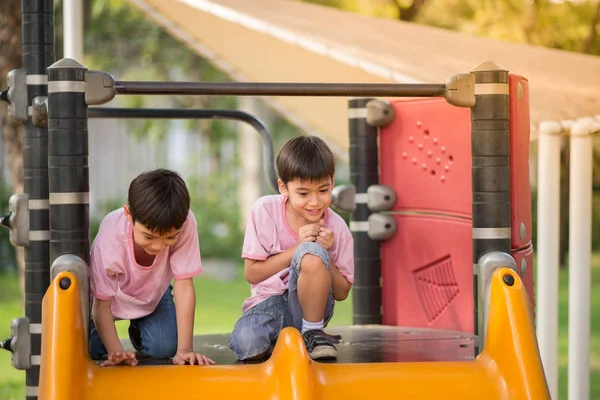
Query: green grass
(219, 307)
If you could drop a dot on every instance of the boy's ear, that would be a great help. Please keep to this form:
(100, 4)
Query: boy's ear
(282, 188)
(127, 213)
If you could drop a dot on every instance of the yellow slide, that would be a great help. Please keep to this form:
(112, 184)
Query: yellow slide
(509, 367)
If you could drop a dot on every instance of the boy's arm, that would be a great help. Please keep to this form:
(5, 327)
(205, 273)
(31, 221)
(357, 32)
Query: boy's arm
(185, 303)
(257, 271)
(105, 324)
(339, 284)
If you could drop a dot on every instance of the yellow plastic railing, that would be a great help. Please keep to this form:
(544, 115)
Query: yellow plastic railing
(509, 366)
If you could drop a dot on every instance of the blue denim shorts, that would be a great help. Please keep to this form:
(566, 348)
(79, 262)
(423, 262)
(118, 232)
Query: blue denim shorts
(258, 329)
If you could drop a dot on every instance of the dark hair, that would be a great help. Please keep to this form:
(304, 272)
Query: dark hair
(305, 157)
(159, 200)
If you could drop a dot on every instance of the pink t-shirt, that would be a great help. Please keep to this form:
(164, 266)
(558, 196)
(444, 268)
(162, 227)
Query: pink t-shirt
(135, 290)
(268, 233)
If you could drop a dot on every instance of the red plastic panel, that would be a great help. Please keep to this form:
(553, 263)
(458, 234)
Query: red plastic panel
(526, 255)
(426, 155)
(520, 196)
(428, 273)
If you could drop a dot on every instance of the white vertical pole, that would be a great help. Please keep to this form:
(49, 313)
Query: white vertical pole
(580, 247)
(548, 249)
(73, 29)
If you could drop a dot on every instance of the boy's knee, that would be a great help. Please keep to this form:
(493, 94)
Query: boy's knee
(312, 257)
(311, 264)
(165, 348)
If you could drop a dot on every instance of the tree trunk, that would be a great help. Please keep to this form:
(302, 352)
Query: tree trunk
(532, 23)
(10, 49)
(409, 13)
(589, 41)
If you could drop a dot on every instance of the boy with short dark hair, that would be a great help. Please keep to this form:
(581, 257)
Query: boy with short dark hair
(298, 256)
(139, 249)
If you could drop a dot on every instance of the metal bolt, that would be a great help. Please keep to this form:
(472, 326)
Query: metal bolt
(522, 231)
(65, 283)
(508, 279)
(523, 267)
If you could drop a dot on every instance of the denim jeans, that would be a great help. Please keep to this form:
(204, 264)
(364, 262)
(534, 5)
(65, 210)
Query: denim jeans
(258, 328)
(154, 335)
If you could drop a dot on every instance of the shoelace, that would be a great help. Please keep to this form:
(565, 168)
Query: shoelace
(320, 338)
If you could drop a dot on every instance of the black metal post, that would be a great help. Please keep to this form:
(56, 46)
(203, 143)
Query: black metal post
(68, 160)
(364, 172)
(490, 149)
(283, 89)
(37, 33)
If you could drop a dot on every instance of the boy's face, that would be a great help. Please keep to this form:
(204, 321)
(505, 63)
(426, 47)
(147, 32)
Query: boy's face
(308, 200)
(151, 242)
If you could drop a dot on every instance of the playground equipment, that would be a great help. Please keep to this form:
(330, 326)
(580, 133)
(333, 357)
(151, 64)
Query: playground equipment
(506, 316)
(498, 360)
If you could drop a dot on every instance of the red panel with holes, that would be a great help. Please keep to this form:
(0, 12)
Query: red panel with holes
(425, 155)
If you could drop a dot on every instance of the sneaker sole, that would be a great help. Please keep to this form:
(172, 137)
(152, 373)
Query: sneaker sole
(322, 352)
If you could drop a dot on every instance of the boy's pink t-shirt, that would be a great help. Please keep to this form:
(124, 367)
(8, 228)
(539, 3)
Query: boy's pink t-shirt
(268, 233)
(135, 290)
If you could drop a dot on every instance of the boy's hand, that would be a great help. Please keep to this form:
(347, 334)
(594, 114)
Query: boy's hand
(183, 357)
(308, 233)
(124, 357)
(325, 237)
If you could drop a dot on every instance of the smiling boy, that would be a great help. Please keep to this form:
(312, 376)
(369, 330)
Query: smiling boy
(298, 256)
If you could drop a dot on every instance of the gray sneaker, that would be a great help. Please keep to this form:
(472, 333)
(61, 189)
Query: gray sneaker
(319, 345)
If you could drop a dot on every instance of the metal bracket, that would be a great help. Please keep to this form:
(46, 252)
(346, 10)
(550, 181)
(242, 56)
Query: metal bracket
(100, 87)
(382, 226)
(18, 219)
(17, 94)
(39, 111)
(344, 198)
(488, 264)
(380, 113)
(460, 90)
(380, 198)
(19, 344)
(75, 265)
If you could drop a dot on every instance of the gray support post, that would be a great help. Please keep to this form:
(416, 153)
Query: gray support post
(490, 152)
(68, 160)
(364, 172)
(37, 34)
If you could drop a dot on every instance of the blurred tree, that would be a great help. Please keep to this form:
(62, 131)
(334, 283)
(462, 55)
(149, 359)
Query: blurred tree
(7, 250)
(408, 10)
(10, 48)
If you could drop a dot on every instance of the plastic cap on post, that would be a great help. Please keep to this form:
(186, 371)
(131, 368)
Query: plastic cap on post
(567, 124)
(582, 127)
(489, 66)
(66, 63)
(549, 128)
